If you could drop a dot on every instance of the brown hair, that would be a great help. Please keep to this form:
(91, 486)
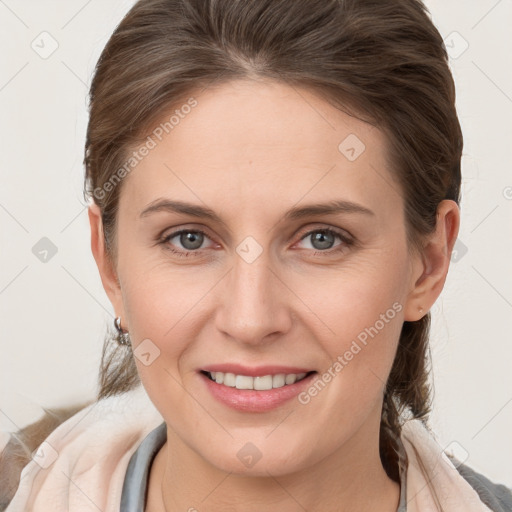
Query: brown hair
(382, 61)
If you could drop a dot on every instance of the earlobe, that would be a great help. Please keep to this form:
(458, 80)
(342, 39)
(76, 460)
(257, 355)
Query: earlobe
(431, 267)
(103, 261)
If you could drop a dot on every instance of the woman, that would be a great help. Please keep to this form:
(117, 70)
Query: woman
(275, 189)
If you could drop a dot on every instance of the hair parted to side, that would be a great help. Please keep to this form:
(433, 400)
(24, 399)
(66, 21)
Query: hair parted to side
(382, 61)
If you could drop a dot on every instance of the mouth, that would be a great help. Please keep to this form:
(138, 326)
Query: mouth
(255, 389)
(258, 383)
(261, 383)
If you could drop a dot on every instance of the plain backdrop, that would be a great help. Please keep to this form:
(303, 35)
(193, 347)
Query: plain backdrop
(54, 313)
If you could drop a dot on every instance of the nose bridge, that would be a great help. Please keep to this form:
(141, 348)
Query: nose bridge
(252, 305)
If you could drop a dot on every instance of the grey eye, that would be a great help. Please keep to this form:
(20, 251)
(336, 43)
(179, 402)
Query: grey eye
(191, 240)
(322, 239)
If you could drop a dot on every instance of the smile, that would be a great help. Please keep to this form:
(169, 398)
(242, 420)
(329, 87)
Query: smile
(262, 383)
(255, 394)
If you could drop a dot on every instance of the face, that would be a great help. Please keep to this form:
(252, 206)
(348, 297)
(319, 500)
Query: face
(265, 282)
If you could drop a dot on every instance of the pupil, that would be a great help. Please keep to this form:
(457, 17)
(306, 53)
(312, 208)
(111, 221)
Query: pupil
(194, 238)
(320, 237)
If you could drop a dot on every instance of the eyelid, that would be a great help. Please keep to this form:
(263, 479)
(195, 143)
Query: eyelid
(347, 240)
(173, 232)
(302, 233)
(343, 233)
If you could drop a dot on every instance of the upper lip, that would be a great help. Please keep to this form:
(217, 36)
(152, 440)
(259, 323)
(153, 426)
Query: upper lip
(256, 371)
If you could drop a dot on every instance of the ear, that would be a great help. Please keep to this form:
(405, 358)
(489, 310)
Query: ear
(105, 266)
(431, 266)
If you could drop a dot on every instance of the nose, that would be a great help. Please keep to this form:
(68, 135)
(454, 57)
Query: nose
(253, 308)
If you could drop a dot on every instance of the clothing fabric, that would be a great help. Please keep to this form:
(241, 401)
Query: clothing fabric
(134, 495)
(99, 459)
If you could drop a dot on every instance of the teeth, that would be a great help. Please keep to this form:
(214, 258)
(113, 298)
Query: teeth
(290, 379)
(229, 379)
(259, 383)
(265, 382)
(243, 382)
(278, 381)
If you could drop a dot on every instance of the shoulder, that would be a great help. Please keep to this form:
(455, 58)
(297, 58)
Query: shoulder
(422, 445)
(93, 445)
(12, 460)
(496, 496)
(16, 448)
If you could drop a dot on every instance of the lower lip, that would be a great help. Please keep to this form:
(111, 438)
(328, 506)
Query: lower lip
(249, 400)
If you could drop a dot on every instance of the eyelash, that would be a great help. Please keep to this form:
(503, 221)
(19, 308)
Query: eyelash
(346, 242)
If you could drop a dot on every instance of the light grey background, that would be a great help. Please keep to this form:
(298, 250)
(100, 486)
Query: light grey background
(54, 313)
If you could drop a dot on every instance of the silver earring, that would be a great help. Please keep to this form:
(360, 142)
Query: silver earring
(122, 338)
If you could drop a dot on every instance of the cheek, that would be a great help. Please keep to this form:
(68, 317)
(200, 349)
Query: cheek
(163, 309)
(163, 305)
(168, 307)
(358, 316)
(344, 303)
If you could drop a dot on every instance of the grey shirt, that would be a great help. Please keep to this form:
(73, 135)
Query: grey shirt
(133, 499)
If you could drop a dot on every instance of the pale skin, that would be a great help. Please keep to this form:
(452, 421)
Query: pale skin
(250, 151)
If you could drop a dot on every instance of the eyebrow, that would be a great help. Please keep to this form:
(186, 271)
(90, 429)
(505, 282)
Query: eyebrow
(295, 213)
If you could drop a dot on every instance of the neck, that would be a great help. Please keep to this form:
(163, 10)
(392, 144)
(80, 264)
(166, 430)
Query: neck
(352, 478)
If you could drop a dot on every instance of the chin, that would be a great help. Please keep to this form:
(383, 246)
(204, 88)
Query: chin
(248, 460)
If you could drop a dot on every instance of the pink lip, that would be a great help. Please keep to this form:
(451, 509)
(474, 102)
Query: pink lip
(250, 400)
(258, 371)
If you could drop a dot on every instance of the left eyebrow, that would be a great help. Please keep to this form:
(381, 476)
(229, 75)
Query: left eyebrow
(329, 208)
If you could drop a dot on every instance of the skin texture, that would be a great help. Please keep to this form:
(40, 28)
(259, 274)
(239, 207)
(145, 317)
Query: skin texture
(250, 151)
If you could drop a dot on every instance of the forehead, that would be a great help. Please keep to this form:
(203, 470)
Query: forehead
(246, 144)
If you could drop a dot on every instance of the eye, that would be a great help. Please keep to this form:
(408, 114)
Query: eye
(190, 239)
(323, 240)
